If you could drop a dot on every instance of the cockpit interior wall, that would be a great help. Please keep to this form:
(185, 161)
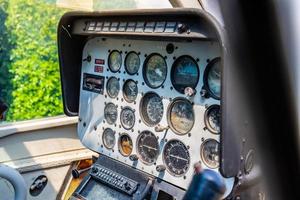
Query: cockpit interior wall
(148, 93)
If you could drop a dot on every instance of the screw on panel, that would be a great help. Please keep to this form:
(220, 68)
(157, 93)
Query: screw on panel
(84, 124)
(202, 139)
(207, 60)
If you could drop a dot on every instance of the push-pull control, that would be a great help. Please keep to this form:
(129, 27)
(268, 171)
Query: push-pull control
(133, 157)
(160, 168)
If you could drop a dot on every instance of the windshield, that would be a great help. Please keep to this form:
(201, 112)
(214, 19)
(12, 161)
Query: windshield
(98, 5)
(29, 70)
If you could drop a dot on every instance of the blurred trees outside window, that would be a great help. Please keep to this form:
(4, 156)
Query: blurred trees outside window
(29, 79)
(29, 69)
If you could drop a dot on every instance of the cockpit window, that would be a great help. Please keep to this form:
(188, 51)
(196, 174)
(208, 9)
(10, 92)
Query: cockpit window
(98, 5)
(29, 69)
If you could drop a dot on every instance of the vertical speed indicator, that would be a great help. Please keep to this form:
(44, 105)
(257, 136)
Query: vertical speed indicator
(176, 157)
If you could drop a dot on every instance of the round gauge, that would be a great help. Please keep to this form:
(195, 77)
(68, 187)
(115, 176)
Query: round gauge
(181, 116)
(212, 78)
(132, 63)
(127, 118)
(130, 91)
(113, 87)
(155, 70)
(176, 157)
(147, 147)
(212, 119)
(110, 113)
(115, 61)
(210, 152)
(185, 73)
(125, 145)
(151, 108)
(108, 138)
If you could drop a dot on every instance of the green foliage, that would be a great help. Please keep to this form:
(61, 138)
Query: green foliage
(5, 46)
(33, 66)
(113, 4)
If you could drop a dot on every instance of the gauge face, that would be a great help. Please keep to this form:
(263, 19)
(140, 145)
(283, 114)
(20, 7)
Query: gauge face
(184, 73)
(132, 63)
(181, 116)
(155, 70)
(127, 118)
(213, 78)
(210, 152)
(147, 147)
(176, 157)
(212, 119)
(130, 91)
(110, 113)
(113, 87)
(115, 61)
(108, 138)
(125, 145)
(151, 108)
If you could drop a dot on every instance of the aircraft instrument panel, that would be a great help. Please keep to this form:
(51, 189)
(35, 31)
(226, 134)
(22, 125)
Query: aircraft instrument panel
(153, 105)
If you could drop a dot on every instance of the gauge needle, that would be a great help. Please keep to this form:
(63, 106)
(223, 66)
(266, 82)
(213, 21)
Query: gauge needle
(149, 147)
(179, 158)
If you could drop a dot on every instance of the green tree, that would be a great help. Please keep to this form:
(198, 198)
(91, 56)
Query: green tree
(5, 47)
(34, 69)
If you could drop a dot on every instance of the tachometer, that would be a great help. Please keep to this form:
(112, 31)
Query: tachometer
(176, 157)
(113, 87)
(210, 152)
(110, 113)
(108, 138)
(155, 70)
(132, 63)
(184, 73)
(181, 116)
(125, 145)
(130, 91)
(151, 108)
(212, 78)
(212, 119)
(127, 118)
(147, 147)
(115, 61)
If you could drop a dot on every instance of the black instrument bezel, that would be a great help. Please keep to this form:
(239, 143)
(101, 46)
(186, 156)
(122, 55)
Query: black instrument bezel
(205, 78)
(176, 62)
(144, 70)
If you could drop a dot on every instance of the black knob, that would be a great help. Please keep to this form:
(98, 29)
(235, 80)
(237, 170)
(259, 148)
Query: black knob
(133, 157)
(88, 58)
(94, 170)
(160, 168)
(182, 28)
(127, 186)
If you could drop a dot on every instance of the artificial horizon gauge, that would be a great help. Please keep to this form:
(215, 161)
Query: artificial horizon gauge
(125, 145)
(155, 70)
(181, 116)
(151, 108)
(210, 153)
(147, 147)
(110, 113)
(176, 157)
(185, 73)
(109, 138)
(115, 61)
(212, 78)
(130, 90)
(212, 119)
(132, 63)
(127, 118)
(113, 87)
